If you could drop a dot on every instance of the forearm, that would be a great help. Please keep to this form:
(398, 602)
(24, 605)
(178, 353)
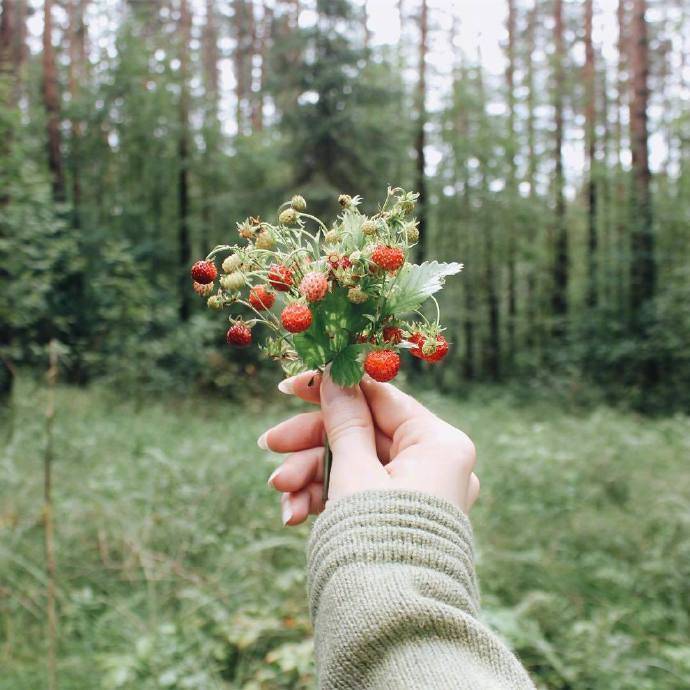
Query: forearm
(394, 598)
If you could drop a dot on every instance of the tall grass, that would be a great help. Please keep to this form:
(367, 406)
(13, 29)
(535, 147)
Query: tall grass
(173, 570)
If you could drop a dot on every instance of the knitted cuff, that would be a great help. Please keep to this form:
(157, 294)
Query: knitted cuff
(397, 527)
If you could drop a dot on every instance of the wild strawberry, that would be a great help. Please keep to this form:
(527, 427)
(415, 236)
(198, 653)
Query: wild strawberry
(232, 263)
(296, 317)
(288, 217)
(382, 365)
(202, 290)
(411, 232)
(239, 335)
(280, 277)
(392, 334)
(440, 351)
(264, 240)
(331, 237)
(215, 302)
(429, 349)
(369, 227)
(260, 298)
(418, 340)
(298, 203)
(388, 258)
(314, 286)
(357, 296)
(233, 281)
(204, 272)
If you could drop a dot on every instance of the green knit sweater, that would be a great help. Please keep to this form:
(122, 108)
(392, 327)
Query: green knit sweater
(394, 598)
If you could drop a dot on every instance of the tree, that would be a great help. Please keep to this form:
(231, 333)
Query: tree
(642, 264)
(184, 240)
(511, 146)
(590, 138)
(559, 295)
(51, 102)
(420, 126)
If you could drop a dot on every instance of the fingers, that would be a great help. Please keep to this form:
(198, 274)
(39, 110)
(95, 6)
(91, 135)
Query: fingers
(298, 470)
(296, 507)
(347, 420)
(472, 490)
(306, 386)
(390, 407)
(297, 433)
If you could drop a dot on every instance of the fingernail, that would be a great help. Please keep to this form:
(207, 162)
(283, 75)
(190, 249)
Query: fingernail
(262, 442)
(286, 509)
(274, 474)
(287, 386)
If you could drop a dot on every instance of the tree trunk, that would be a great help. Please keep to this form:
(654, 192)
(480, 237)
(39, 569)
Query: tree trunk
(77, 57)
(492, 349)
(184, 242)
(51, 102)
(8, 27)
(420, 137)
(559, 296)
(531, 301)
(620, 187)
(241, 87)
(590, 132)
(642, 265)
(512, 177)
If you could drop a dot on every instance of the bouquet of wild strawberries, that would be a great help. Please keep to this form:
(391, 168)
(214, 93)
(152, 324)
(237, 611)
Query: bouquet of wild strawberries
(345, 295)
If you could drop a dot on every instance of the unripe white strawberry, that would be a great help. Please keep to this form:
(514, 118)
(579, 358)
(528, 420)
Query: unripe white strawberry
(232, 263)
(233, 281)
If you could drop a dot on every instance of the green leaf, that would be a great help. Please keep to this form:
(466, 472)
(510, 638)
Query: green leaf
(415, 283)
(311, 349)
(347, 369)
(353, 238)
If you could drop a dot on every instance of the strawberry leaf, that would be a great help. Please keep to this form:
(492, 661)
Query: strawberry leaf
(415, 283)
(311, 349)
(347, 369)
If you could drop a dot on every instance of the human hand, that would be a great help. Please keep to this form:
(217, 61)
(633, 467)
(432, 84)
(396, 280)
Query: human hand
(380, 437)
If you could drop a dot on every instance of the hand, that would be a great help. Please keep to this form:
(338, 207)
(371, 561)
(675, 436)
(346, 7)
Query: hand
(380, 437)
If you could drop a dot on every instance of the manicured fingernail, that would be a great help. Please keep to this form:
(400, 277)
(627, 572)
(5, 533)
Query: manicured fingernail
(287, 386)
(262, 442)
(274, 474)
(286, 509)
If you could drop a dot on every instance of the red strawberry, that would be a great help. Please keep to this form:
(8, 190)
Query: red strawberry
(260, 298)
(392, 334)
(382, 365)
(280, 277)
(388, 258)
(336, 261)
(296, 317)
(418, 340)
(239, 335)
(441, 350)
(314, 286)
(423, 343)
(201, 289)
(204, 272)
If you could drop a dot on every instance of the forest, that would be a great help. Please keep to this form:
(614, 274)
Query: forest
(553, 162)
(136, 134)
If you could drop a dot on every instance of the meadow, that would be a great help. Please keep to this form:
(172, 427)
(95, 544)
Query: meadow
(174, 570)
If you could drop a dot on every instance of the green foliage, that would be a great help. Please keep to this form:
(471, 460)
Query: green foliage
(416, 283)
(174, 570)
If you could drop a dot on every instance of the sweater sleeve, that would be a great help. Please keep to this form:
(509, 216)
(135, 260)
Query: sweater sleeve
(394, 598)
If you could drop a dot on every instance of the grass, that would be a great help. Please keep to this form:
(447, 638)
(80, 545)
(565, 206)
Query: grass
(174, 570)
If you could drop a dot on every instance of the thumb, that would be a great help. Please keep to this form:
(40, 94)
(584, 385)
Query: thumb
(347, 420)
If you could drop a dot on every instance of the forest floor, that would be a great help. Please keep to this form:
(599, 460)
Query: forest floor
(173, 569)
